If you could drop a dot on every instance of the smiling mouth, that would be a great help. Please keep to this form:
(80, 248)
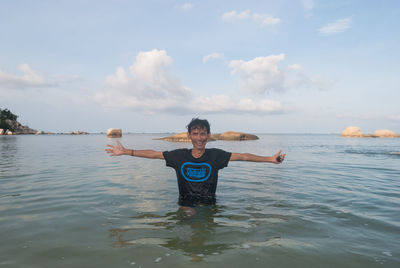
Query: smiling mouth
(200, 143)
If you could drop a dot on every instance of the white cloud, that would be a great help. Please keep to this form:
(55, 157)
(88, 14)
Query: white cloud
(29, 78)
(260, 74)
(148, 86)
(233, 15)
(265, 20)
(262, 19)
(308, 4)
(319, 82)
(186, 6)
(212, 56)
(226, 104)
(338, 26)
(263, 75)
(296, 67)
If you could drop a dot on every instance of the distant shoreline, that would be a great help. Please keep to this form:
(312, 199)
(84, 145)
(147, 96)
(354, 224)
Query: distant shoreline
(161, 133)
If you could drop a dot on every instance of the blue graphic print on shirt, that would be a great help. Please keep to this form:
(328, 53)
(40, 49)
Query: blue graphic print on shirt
(196, 172)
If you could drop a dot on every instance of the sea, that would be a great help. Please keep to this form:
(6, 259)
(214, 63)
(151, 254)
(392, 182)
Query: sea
(333, 202)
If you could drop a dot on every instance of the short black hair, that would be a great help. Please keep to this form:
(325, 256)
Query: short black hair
(198, 123)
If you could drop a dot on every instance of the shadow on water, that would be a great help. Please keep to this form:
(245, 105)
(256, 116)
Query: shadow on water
(192, 235)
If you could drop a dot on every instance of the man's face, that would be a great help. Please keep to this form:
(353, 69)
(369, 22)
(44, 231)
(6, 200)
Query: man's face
(199, 137)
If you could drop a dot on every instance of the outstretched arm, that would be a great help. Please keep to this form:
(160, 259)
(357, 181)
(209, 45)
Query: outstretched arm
(121, 150)
(276, 158)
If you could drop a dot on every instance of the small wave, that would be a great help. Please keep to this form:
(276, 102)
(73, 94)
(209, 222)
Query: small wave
(372, 153)
(10, 195)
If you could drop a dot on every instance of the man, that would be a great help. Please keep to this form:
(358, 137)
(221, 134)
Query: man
(196, 168)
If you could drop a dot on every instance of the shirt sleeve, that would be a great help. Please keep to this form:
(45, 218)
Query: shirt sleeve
(169, 158)
(223, 158)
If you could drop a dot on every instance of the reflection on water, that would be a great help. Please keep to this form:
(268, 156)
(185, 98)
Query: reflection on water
(209, 232)
(194, 235)
(8, 154)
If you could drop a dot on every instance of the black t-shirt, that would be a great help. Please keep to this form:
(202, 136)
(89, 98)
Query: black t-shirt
(197, 177)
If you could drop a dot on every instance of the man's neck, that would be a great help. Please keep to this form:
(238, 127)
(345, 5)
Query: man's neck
(197, 153)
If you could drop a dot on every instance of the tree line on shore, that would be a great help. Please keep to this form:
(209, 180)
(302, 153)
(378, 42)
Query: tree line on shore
(6, 119)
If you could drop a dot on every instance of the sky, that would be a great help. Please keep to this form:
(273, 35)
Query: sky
(279, 66)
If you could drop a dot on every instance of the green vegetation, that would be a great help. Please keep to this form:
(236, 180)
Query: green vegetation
(6, 115)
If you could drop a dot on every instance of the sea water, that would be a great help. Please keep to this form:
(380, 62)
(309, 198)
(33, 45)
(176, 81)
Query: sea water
(334, 202)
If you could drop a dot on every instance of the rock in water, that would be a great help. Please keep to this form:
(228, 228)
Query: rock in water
(18, 128)
(236, 136)
(385, 133)
(78, 133)
(352, 132)
(179, 137)
(229, 136)
(114, 133)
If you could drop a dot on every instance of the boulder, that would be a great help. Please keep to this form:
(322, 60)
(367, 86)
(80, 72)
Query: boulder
(180, 137)
(353, 132)
(230, 136)
(114, 133)
(1, 131)
(25, 130)
(44, 133)
(75, 133)
(382, 133)
(385, 133)
(235, 136)
(8, 132)
(368, 136)
(9, 121)
(18, 128)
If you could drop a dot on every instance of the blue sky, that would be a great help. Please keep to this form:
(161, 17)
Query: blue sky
(298, 66)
